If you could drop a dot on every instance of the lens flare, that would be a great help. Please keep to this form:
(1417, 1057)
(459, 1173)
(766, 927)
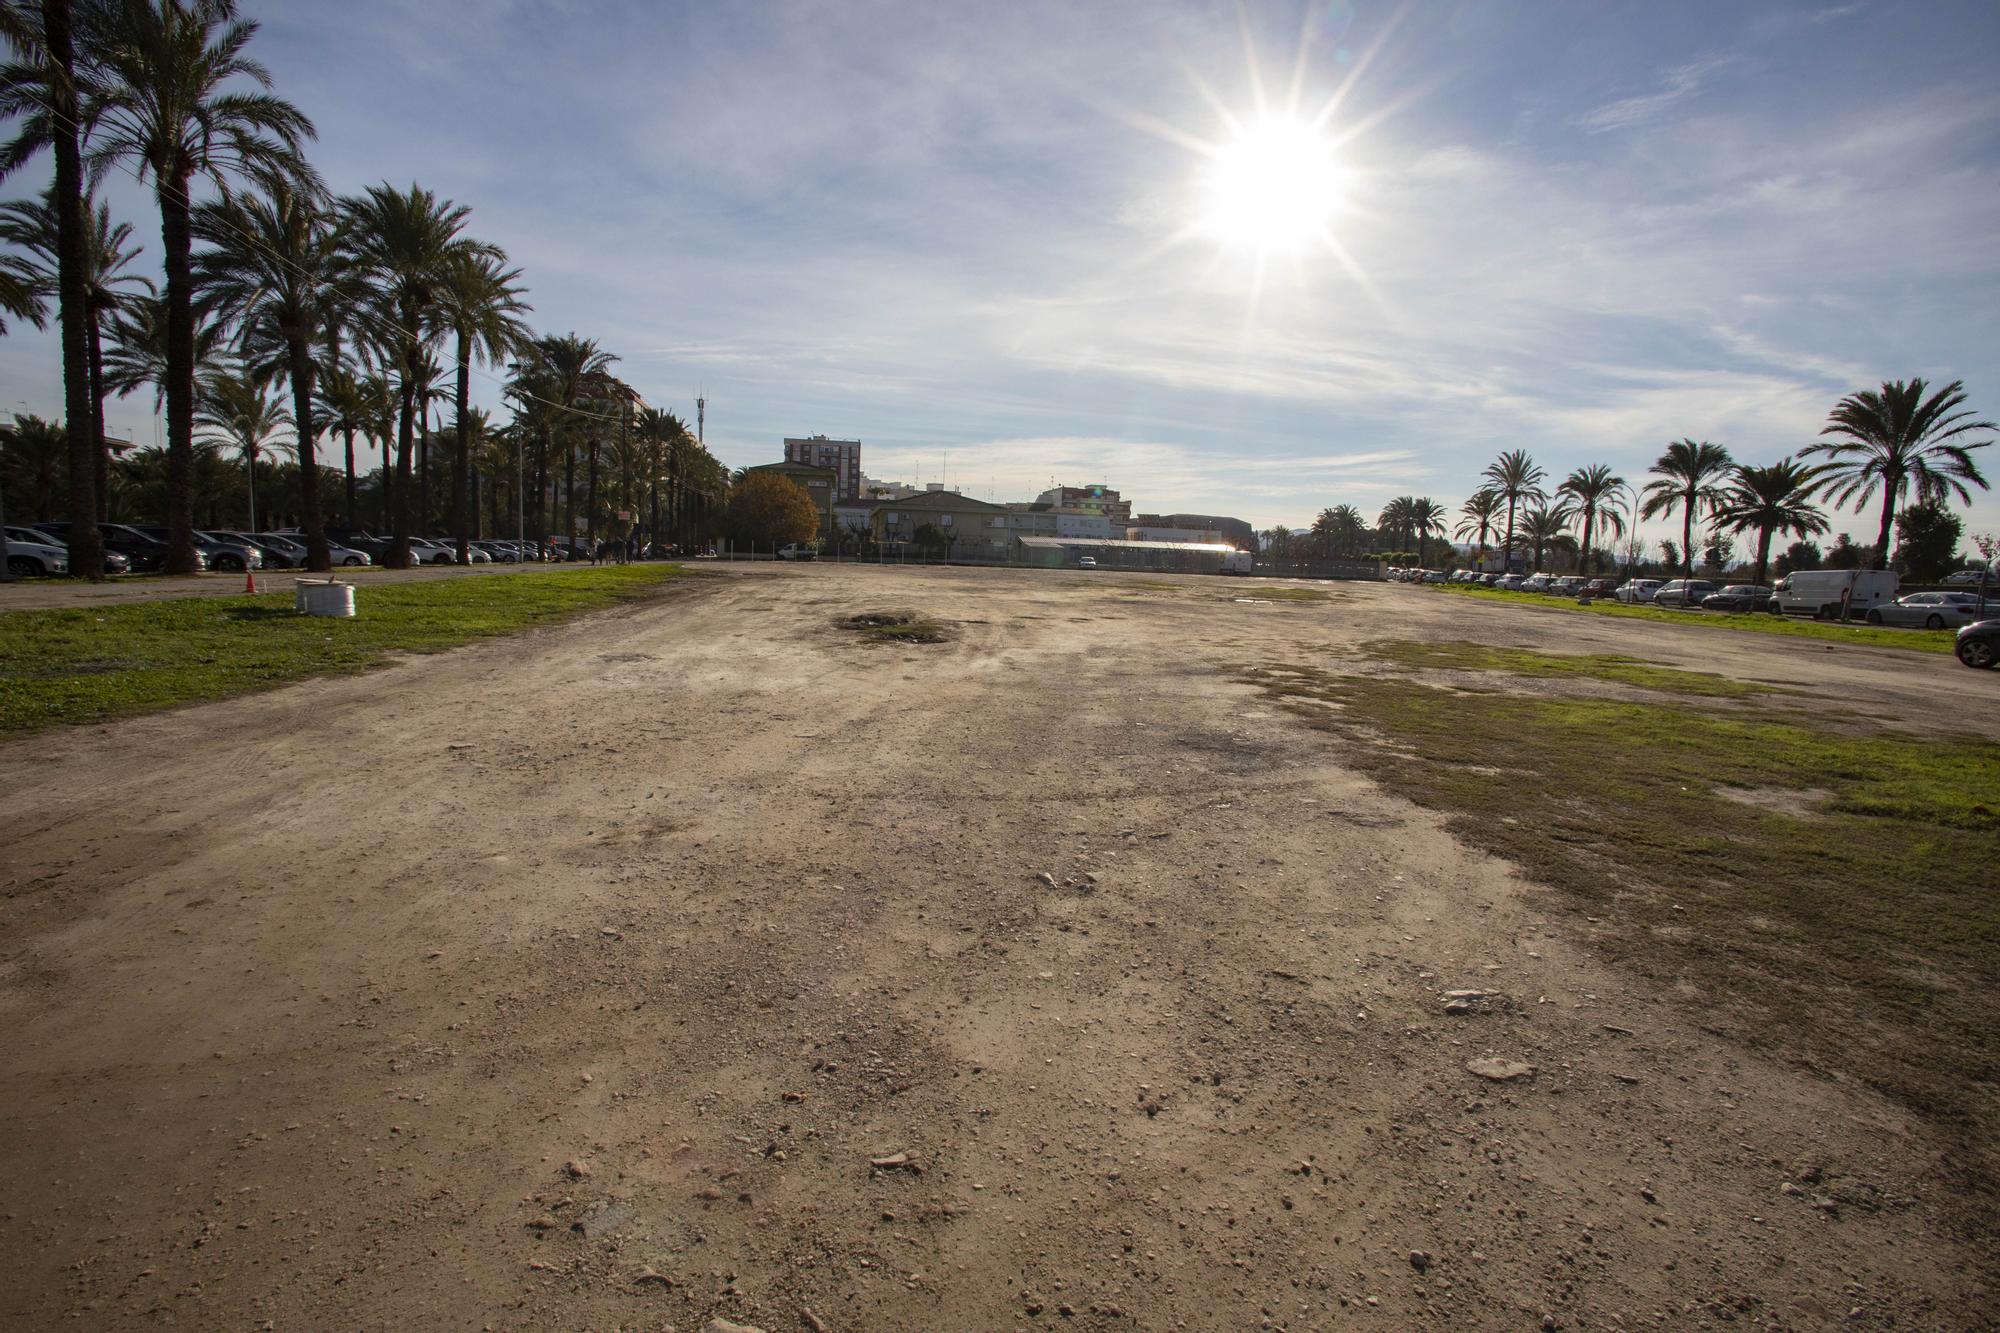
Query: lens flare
(1274, 186)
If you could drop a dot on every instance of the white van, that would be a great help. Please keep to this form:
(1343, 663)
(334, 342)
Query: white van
(1819, 592)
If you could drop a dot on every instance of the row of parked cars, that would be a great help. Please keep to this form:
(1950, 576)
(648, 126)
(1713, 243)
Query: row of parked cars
(1870, 595)
(42, 549)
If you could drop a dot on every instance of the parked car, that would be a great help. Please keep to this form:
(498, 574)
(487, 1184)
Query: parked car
(1600, 588)
(143, 553)
(33, 554)
(1086, 562)
(114, 562)
(1969, 578)
(1683, 593)
(1492, 580)
(278, 552)
(1978, 644)
(1929, 610)
(803, 551)
(1511, 582)
(1819, 592)
(1634, 591)
(1739, 597)
(228, 554)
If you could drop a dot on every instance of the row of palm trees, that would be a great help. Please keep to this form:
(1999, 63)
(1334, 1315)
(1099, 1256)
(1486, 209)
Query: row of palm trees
(1901, 440)
(365, 310)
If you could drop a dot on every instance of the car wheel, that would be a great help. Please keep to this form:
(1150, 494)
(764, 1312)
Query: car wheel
(227, 563)
(1978, 654)
(352, 560)
(1933, 622)
(24, 567)
(1874, 617)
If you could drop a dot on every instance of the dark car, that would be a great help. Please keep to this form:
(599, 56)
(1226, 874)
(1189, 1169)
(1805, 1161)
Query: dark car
(1738, 597)
(1979, 645)
(277, 552)
(147, 555)
(1599, 588)
(222, 551)
(1684, 593)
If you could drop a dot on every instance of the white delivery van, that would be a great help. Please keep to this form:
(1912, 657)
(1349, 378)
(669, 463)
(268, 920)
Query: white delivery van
(1236, 562)
(1819, 592)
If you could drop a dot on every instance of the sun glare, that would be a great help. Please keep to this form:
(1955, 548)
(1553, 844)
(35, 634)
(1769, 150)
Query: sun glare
(1273, 187)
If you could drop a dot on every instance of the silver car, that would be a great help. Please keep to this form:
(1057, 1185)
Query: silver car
(1930, 610)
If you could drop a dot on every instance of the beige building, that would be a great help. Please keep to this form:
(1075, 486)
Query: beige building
(972, 528)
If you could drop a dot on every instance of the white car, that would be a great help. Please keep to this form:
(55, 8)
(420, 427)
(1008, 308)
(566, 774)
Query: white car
(1636, 591)
(1969, 578)
(28, 557)
(424, 551)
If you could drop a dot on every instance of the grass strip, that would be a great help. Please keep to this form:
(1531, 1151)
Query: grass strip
(1873, 636)
(90, 664)
(1615, 667)
(1822, 893)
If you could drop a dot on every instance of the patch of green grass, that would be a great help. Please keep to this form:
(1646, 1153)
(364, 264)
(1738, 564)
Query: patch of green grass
(89, 664)
(1874, 636)
(1600, 666)
(1822, 892)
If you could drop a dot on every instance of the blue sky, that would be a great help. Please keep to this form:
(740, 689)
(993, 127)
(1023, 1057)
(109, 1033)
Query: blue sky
(1580, 228)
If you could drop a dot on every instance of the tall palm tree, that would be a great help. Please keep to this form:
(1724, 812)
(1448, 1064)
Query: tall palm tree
(570, 369)
(34, 463)
(273, 265)
(481, 305)
(1894, 437)
(1350, 530)
(1543, 528)
(239, 411)
(161, 101)
(1688, 477)
(1426, 516)
(407, 244)
(35, 227)
(343, 409)
(1480, 512)
(39, 91)
(1594, 494)
(1517, 480)
(1774, 499)
(137, 356)
(1394, 521)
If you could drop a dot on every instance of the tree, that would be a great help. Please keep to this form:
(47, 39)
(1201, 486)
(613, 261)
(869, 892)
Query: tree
(159, 101)
(1894, 438)
(933, 540)
(770, 509)
(1927, 542)
(34, 464)
(239, 412)
(1670, 554)
(1516, 479)
(1845, 554)
(1479, 514)
(41, 93)
(137, 356)
(1799, 555)
(1769, 501)
(1687, 477)
(481, 305)
(408, 244)
(1544, 529)
(551, 386)
(1397, 520)
(273, 265)
(1426, 516)
(1717, 551)
(1594, 493)
(35, 226)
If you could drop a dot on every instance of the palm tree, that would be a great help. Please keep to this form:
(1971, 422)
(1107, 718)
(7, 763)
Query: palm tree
(1426, 516)
(1323, 526)
(1396, 521)
(1894, 437)
(570, 368)
(274, 265)
(40, 92)
(408, 244)
(344, 409)
(240, 412)
(34, 462)
(1516, 479)
(1350, 530)
(1688, 477)
(159, 101)
(1771, 500)
(1543, 528)
(137, 356)
(1480, 511)
(35, 227)
(1594, 493)
(481, 305)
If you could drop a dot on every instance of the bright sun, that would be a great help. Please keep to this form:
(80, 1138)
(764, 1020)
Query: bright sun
(1273, 187)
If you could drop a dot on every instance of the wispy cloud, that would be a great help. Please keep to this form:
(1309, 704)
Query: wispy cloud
(1678, 85)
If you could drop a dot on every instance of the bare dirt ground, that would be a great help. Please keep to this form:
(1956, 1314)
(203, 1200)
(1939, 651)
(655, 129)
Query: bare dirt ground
(693, 961)
(57, 594)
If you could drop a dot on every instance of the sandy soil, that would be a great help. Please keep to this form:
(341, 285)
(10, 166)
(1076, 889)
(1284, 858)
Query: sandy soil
(575, 980)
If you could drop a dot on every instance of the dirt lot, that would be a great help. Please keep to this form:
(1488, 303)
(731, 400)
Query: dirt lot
(695, 961)
(48, 594)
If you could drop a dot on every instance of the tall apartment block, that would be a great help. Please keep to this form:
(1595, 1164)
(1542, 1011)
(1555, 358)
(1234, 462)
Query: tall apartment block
(840, 457)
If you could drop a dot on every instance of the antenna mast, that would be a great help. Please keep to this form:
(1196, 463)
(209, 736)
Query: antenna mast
(700, 418)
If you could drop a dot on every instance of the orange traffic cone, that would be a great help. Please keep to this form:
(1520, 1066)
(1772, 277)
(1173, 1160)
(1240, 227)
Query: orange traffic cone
(250, 581)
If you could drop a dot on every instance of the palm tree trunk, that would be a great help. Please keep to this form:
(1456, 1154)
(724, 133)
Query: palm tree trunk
(250, 483)
(302, 370)
(86, 549)
(1891, 487)
(1763, 553)
(347, 516)
(1583, 561)
(460, 477)
(569, 491)
(1687, 535)
(101, 459)
(590, 512)
(406, 428)
(1507, 550)
(388, 485)
(176, 242)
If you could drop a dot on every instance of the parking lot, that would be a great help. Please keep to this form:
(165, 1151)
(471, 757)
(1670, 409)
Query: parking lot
(722, 956)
